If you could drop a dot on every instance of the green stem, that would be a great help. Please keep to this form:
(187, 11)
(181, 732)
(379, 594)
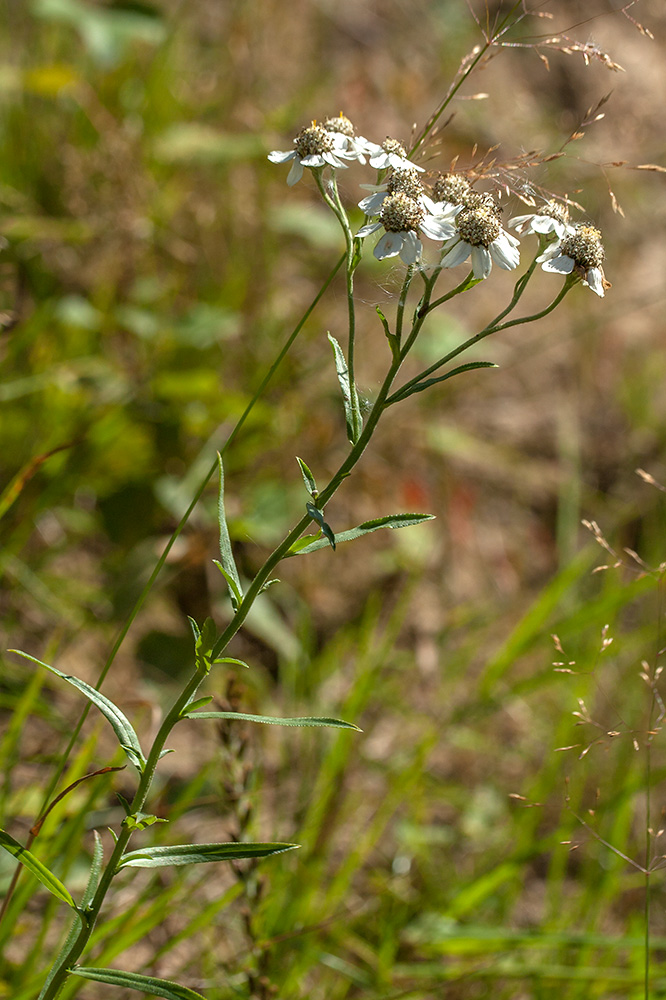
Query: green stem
(353, 257)
(492, 327)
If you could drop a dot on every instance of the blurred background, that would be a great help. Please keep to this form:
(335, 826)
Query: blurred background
(155, 263)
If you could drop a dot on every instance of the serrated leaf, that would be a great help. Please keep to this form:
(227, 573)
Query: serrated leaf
(204, 645)
(228, 566)
(140, 821)
(133, 981)
(308, 479)
(35, 866)
(390, 521)
(275, 720)
(420, 386)
(342, 371)
(121, 726)
(318, 516)
(197, 854)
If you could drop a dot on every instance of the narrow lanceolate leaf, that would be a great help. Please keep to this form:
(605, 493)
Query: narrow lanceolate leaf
(121, 726)
(420, 386)
(86, 899)
(390, 521)
(274, 720)
(345, 385)
(35, 866)
(308, 479)
(148, 985)
(197, 854)
(318, 516)
(228, 565)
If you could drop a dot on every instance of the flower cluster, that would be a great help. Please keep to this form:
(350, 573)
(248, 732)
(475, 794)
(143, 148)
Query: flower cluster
(467, 223)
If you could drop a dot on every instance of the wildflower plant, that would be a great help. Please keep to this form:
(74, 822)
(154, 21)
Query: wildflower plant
(432, 223)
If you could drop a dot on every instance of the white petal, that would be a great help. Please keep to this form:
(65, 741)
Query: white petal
(456, 255)
(437, 229)
(379, 160)
(559, 265)
(371, 227)
(411, 250)
(504, 253)
(333, 160)
(373, 203)
(544, 224)
(389, 245)
(552, 251)
(278, 157)
(313, 160)
(518, 221)
(295, 173)
(481, 262)
(594, 280)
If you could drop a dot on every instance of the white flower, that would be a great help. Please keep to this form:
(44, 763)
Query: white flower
(551, 218)
(405, 180)
(391, 153)
(315, 147)
(356, 146)
(480, 235)
(400, 217)
(581, 251)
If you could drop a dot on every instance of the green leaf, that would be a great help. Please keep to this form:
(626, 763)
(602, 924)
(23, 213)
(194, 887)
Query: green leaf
(302, 543)
(234, 591)
(232, 659)
(195, 628)
(345, 385)
(228, 567)
(394, 343)
(197, 854)
(269, 583)
(127, 738)
(199, 703)
(318, 516)
(86, 899)
(40, 871)
(420, 386)
(390, 521)
(204, 645)
(274, 720)
(140, 820)
(308, 479)
(133, 981)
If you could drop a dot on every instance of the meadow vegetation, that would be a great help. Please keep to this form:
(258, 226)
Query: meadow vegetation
(495, 829)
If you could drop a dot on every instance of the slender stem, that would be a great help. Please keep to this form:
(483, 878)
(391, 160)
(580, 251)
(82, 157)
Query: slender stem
(353, 257)
(492, 327)
(463, 74)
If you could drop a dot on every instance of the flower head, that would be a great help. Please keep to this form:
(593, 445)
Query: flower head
(479, 234)
(451, 189)
(315, 147)
(404, 179)
(356, 146)
(391, 153)
(550, 218)
(581, 252)
(401, 218)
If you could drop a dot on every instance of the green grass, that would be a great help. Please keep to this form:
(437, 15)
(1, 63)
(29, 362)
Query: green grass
(156, 264)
